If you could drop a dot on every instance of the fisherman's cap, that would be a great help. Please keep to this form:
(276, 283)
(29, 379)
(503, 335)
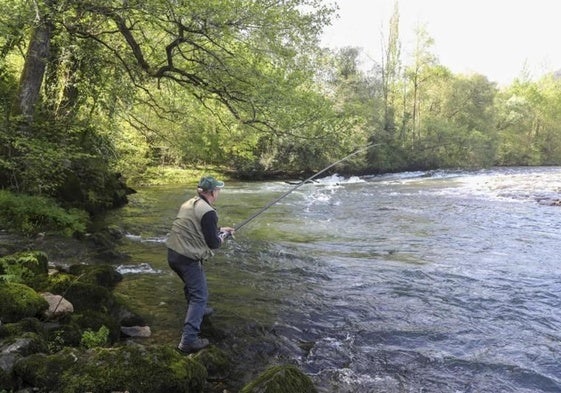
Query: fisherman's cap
(209, 183)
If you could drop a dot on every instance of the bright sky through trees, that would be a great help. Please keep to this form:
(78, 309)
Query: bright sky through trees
(496, 38)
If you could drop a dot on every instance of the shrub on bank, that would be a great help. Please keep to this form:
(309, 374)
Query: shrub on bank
(30, 215)
(27, 267)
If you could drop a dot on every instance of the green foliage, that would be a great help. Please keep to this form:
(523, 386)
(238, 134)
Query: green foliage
(254, 97)
(56, 343)
(14, 273)
(156, 369)
(91, 339)
(28, 268)
(33, 214)
(529, 123)
(159, 175)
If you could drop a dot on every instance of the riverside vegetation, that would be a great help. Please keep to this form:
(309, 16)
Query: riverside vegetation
(98, 98)
(51, 347)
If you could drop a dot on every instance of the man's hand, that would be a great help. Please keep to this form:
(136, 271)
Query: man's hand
(225, 233)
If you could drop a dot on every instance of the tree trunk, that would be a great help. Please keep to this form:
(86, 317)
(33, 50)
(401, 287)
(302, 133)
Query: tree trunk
(33, 70)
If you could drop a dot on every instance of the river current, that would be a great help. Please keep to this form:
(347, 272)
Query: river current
(444, 281)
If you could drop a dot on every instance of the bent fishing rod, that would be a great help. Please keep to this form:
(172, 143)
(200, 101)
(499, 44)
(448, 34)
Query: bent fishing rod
(270, 204)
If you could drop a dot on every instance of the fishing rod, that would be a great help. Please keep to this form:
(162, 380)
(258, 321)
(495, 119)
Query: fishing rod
(267, 206)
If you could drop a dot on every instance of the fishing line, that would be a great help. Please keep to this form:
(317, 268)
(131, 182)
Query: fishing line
(270, 204)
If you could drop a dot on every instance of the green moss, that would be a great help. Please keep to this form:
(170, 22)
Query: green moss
(17, 328)
(68, 334)
(85, 296)
(100, 370)
(281, 379)
(6, 382)
(102, 274)
(32, 343)
(94, 320)
(134, 369)
(44, 371)
(94, 339)
(59, 282)
(215, 361)
(18, 301)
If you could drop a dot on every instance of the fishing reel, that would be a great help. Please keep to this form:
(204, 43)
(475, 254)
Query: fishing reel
(223, 235)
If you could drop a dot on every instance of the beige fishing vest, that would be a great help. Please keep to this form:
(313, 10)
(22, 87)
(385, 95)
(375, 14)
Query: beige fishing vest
(186, 236)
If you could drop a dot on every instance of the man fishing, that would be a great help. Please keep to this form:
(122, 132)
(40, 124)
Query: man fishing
(193, 237)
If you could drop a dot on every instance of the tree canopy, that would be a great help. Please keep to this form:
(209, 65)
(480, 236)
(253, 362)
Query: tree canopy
(96, 90)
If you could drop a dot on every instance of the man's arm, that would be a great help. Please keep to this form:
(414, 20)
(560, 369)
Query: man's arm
(209, 223)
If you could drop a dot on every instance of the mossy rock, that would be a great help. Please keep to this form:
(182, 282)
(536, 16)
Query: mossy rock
(64, 335)
(18, 328)
(134, 369)
(25, 344)
(6, 381)
(59, 282)
(18, 301)
(43, 371)
(99, 274)
(94, 320)
(215, 361)
(281, 379)
(85, 296)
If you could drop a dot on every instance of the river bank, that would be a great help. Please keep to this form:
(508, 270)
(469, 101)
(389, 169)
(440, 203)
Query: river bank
(61, 345)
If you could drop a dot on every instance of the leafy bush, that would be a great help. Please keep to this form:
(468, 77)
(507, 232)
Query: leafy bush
(28, 267)
(33, 214)
(91, 339)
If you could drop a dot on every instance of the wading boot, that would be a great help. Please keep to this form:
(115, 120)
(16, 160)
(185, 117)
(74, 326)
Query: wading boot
(193, 347)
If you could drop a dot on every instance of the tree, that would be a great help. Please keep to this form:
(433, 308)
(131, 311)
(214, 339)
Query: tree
(89, 63)
(417, 75)
(528, 122)
(391, 71)
(460, 125)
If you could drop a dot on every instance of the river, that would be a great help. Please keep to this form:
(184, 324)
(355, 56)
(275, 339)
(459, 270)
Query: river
(443, 281)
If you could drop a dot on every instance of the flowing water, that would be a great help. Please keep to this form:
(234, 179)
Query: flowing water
(414, 282)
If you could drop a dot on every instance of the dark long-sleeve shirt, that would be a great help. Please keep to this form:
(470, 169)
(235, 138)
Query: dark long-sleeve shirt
(209, 224)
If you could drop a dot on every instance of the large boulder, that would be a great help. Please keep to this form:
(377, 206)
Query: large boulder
(281, 379)
(86, 296)
(215, 361)
(13, 349)
(132, 368)
(18, 301)
(58, 306)
(32, 325)
(43, 371)
(98, 274)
